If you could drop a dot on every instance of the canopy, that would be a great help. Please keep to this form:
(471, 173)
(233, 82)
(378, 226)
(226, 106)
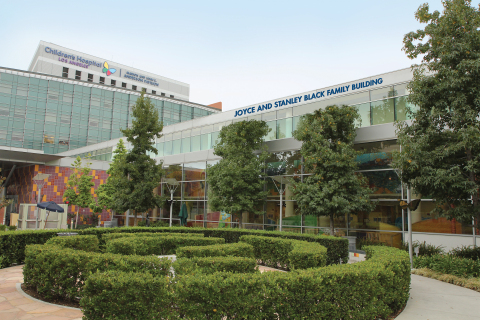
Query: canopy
(183, 215)
(50, 206)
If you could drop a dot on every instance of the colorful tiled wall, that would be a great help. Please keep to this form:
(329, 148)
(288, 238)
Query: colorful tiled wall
(53, 189)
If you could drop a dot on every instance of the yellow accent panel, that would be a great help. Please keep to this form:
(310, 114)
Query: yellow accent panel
(65, 180)
(92, 190)
(49, 183)
(35, 189)
(101, 182)
(93, 172)
(57, 169)
(58, 193)
(54, 188)
(60, 174)
(36, 167)
(44, 198)
(96, 177)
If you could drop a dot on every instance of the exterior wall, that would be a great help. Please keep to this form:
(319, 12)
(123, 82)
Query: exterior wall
(56, 115)
(22, 185)
(51, 59)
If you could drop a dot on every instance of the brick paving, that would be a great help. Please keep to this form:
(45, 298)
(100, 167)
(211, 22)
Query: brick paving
(15, 305)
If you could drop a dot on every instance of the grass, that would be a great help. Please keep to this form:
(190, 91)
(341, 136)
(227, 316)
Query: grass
(469, 283)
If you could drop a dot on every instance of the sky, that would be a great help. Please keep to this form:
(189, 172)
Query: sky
(238, 52)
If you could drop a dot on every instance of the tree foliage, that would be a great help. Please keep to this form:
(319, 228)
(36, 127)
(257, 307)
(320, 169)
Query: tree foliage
(3, 201)
(440, 154)
(333, 189)
(236, 181)
(108, 196)
(79, 184)
(143, 173)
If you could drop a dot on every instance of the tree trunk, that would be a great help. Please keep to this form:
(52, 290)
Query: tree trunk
(135, 218)
(475, 199)
(332, 229)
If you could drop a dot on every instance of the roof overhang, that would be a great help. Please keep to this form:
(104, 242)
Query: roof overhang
(21, 157)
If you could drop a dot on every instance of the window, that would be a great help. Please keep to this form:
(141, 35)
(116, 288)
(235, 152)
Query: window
(172, 96)
(65, 72)
(113, 83)
(134, 88)
(144, 90)
(154, 92)
(124, 85)
(163, 94)
(102, 80)
(78, 75)
(90, 77)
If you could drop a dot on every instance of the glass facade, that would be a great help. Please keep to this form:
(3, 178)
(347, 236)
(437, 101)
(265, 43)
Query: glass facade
(56, 115)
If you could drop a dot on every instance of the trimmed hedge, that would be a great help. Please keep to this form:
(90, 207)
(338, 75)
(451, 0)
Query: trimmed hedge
(87, 243)
(12, 244)
(148, 245)
(110, 236)
(231, 249)
(107, 294)
(59, 272)
(375, 288)
(286, 253)
(209, 265)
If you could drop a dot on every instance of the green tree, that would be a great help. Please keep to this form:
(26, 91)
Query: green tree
(3, 201)
(440, 154)
(333, 189)
(108, 196)
(142, 172)
(235, 183)
(79, 185)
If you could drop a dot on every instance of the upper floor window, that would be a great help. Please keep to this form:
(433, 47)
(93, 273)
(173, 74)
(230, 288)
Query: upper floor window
(113, 83)
(65, 72)
(90, 77)
(78, 75)
(102, 80)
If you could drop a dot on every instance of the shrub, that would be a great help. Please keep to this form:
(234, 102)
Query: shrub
(365, 290)
(469, 252)
(449, 264)
(212, 264)
(87, 243)
(108, 295)
(231, 249)
(13, 248)
(12, 228)
(286, 253)
(3, 227)
(59, 272)
(12, 244)
(146, 245)
(425, 249)
(110, 236)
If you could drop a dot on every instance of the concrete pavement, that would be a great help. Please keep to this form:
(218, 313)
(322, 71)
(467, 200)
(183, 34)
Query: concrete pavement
(432, 299)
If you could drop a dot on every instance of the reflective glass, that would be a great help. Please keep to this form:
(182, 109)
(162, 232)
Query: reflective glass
(206, 141)
(185, 145)
(385, 184)
(376, 155)
(404, 110)
(176, 147)
(364, 112)
(383, 111)
(284, 128)
(194, 171)
(272, 135)
(193, 190)
(195, 143)
(382, 93)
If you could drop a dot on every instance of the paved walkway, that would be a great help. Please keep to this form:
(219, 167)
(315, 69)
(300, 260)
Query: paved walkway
(429, 300)
(14, 304)
(432, 299)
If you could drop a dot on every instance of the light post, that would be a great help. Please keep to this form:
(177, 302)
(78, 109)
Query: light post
(172, 185)
(279, 179)
(40, 182)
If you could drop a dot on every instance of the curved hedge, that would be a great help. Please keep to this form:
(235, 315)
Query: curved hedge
(365, 290)
(212, 264)
(87, 243)
(61, 272)
(141, 245)
(12, 244)
(286, 253)
(111, 236)
(239, 249)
